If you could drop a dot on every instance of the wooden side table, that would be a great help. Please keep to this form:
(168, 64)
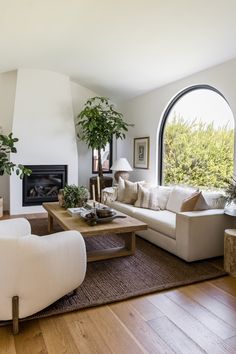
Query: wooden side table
(105, 182)
(230, 251)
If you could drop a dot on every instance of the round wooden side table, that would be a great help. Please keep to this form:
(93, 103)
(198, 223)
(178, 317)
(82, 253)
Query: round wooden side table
(230, 251)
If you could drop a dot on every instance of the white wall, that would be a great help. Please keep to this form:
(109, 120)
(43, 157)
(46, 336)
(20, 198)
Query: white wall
(146, 111)
(44, 123)
(7, 94)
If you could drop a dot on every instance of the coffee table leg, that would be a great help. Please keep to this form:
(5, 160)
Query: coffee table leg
(50, 223)
(130, 241)
(127, 250)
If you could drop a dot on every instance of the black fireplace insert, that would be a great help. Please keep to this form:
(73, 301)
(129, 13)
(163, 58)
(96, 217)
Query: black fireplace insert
(43, 184)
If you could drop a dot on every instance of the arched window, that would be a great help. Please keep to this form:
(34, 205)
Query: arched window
(196, 139)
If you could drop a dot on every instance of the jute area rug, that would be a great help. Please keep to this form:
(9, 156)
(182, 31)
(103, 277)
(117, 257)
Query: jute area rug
(151, 269)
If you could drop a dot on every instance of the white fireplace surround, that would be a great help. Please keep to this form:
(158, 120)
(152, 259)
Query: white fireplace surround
(43, 120)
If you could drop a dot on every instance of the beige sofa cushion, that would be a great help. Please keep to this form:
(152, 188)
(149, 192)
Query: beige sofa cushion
(130, 193)
(163, 221)
(127, 191)
(124, 208)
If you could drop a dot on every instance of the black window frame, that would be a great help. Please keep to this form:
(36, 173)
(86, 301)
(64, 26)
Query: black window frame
(110, 160)
(165, 117)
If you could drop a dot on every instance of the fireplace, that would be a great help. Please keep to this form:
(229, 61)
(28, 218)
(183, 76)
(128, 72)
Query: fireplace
(43, 184)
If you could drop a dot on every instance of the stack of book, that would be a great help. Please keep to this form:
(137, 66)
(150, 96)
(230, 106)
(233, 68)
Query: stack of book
(76, 211)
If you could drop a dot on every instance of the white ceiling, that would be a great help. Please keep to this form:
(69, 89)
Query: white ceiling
(120, 48)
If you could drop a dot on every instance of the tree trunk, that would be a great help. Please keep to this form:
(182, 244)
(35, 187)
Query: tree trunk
(100, 172)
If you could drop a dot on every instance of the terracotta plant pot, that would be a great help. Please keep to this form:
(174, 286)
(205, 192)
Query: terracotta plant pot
(1, 207)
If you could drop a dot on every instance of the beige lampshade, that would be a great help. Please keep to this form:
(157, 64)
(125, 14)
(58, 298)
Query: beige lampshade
(121, 164)
(122, 168)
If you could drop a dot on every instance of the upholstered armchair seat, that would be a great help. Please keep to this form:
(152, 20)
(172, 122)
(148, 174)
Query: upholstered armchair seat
(37, 270)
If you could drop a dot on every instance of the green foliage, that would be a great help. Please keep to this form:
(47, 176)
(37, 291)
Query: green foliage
(98, 122)
(75, 196)
(230, 190)
(197, 154)
(7, 146)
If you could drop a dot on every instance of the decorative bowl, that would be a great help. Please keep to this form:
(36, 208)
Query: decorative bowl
(104, 212)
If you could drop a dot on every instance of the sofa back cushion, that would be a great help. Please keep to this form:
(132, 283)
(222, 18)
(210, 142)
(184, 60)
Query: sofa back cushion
(163, 194)
(147, 198)
(177, 196)
(214, 199)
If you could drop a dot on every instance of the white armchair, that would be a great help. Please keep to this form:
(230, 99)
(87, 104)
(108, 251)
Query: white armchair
(36, 271)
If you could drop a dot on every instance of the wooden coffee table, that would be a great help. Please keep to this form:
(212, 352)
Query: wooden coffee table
(125, 227)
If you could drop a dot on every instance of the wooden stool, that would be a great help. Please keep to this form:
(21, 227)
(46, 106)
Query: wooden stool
(230, 252)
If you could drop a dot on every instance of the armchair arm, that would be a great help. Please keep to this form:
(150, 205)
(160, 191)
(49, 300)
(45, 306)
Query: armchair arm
(15, 227)
(200, 234)
(40, 270)
(109, 195)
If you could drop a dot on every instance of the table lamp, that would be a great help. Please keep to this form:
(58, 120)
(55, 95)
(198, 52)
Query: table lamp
(122, 168)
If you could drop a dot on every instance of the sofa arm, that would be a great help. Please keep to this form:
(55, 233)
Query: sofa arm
(200, 234)
(15, 227)
(109, 195)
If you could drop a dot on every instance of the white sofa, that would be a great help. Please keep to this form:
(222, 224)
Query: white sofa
(191, 235)
(36, 271)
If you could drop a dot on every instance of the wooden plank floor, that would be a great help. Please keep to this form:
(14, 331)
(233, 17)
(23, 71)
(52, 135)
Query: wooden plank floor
(199, 318)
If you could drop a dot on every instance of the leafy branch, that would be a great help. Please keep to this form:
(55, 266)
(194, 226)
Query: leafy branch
(7, 146)
(98, 123)
(197, 153)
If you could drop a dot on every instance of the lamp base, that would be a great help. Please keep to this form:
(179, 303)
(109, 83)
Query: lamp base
(122, 174)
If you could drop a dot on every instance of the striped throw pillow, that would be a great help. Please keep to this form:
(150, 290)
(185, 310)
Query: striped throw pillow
(147, 198)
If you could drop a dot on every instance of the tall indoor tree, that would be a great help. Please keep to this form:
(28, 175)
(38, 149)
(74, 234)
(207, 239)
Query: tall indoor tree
(98, 123)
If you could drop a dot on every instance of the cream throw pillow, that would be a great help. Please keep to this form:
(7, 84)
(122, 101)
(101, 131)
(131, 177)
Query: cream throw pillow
(130, 194)
(127, 192)
(147, 198)
(177, 197)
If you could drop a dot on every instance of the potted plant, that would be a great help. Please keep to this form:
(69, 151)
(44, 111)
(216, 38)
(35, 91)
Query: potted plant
(230, 191)
(7, 146)
(74, 196)
(98, 122)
